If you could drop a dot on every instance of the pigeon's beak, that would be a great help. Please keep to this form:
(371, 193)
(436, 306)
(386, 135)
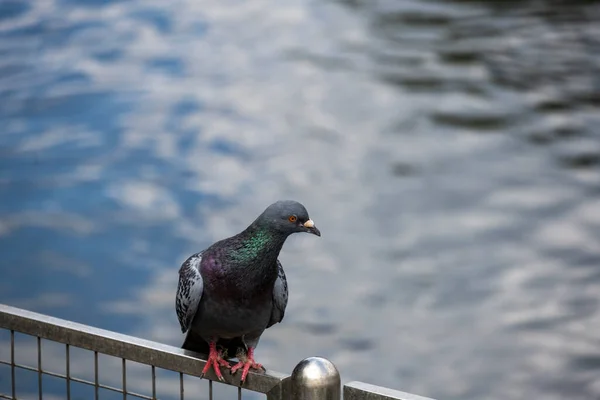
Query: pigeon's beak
(310, 227)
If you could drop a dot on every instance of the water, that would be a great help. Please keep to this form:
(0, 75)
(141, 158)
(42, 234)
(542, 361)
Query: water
(447, 150)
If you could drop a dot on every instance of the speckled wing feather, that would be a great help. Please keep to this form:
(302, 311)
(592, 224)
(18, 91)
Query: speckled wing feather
(280, 296)
(189, 291)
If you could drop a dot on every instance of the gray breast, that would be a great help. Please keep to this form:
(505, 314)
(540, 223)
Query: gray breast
(227, 319)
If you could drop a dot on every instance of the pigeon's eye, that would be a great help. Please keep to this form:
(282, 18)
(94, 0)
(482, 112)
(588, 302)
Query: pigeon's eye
(292, 218)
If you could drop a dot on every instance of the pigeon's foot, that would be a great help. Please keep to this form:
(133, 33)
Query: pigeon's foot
(215, 360)
(246, 362)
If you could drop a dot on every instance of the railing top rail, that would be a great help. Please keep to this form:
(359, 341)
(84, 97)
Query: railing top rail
(124, 346)
(363, 391)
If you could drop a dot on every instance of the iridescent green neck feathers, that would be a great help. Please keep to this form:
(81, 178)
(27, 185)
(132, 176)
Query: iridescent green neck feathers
(258, 244)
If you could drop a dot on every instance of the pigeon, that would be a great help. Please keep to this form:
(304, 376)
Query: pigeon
(229, 293)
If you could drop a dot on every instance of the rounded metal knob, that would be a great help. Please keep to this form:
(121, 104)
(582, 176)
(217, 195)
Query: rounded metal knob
(316, 378)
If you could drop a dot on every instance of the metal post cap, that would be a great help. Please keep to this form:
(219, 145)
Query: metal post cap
(316, 378)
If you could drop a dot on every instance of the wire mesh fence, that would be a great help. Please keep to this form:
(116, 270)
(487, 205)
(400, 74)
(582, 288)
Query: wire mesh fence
(42, 357)
(50, 358)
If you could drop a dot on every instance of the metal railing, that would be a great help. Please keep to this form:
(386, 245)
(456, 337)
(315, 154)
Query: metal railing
(116, 363)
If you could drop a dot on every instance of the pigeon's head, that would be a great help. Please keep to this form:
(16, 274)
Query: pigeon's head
(287, 217)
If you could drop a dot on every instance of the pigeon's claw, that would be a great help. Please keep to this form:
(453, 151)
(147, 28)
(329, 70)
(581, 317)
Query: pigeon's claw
(246, 362)
(215, 361)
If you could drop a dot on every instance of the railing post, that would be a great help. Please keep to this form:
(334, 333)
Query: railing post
(316, 378)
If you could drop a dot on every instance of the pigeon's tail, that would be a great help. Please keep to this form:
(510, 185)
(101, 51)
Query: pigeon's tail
(194, 342)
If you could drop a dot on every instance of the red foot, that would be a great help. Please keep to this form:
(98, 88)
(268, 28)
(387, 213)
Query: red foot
(247, 362)
(214, 360)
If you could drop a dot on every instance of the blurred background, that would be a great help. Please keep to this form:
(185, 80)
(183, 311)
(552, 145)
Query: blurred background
(448, 150)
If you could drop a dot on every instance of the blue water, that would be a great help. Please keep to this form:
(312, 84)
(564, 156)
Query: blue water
(447, 150)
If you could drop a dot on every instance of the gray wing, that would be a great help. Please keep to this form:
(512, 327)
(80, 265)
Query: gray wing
(189, 291)
(280, 296)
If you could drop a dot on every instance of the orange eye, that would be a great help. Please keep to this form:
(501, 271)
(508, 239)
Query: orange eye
(292, 218)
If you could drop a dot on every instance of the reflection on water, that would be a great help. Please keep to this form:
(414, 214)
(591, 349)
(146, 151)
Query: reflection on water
(448, 150)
